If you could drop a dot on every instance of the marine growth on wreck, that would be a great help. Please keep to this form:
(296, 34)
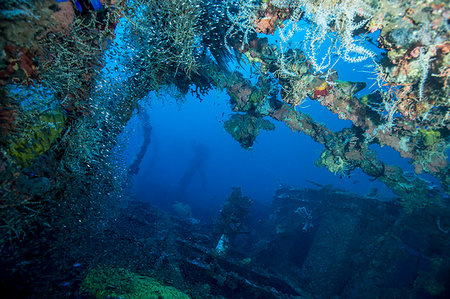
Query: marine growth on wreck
(93, 204)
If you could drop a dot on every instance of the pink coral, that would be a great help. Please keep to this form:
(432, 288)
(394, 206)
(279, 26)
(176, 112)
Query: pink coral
(64, 15)
(241, 93)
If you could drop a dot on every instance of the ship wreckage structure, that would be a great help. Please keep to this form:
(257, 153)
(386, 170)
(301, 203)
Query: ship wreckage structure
(69, 86)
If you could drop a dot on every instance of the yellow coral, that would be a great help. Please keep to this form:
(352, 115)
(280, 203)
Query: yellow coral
(430, 137)
(38, 137)
(323, 86)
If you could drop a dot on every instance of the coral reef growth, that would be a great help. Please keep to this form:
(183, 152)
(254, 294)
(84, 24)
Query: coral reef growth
(244, 128)
(107, 281)
(63, 104)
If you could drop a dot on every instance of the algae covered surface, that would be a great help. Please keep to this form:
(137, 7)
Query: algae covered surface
(107, 282)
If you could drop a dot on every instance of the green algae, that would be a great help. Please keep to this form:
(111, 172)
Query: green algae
(112, 282)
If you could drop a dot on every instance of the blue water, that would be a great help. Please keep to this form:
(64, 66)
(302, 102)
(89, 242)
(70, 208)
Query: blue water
(277, 157)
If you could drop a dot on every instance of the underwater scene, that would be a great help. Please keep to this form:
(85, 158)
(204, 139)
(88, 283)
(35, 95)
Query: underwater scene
(224, 149)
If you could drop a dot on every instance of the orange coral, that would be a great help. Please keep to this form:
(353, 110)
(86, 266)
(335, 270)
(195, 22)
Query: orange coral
(265, 25)
(270, 18)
